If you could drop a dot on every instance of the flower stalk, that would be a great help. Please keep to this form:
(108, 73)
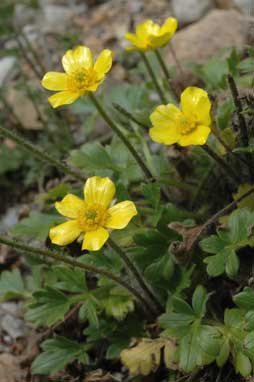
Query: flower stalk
(223, 164)
(153, 77)
(137, 275)
(42, 155)
(121, 136)
(130, 116)
(165, 71)
(74, 263)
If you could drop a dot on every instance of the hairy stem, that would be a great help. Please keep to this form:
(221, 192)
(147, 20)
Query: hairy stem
(130, 116)
(242, 122)
(137, 275)
(42, 155)
(228, 170)
(121, 136)
(67, 260)
(165, 71)
(153, 77)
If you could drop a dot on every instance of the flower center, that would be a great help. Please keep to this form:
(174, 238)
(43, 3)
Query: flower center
(92, 217)
(82, 78)
(186, 124)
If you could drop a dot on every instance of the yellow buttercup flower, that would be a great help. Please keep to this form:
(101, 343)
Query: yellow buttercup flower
(93, 216)
(150, 35)
(187, 125)
(81, 75)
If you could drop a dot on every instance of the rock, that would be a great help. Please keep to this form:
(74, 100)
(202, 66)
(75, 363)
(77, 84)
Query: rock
(218, 29)
(8, 220)
(23, 14)
(10, 370)
(245, 6)
(24, 108)
(6, 66)
(57, 17)
(13, 326)
(189, 11)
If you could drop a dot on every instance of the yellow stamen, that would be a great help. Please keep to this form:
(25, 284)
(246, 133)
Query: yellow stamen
(186, 125)
(92, 218)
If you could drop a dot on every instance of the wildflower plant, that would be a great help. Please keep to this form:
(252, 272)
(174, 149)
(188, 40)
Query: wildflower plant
(149, 260)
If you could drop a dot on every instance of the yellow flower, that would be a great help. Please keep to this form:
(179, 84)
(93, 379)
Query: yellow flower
(150, 35)
(188, 125)
(82, 75)
(92, 216)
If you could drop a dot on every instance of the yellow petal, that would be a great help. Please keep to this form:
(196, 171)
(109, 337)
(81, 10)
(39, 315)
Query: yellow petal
(121, 214)
(169, 26)
(70, 206)
(103, 63)
(198, 136)
(65, 233)
(196, 104)
(94, 240)
(144, 29)
(76, 58)
(165, 126)
(160, 41)
(99, 190)
(55, 81)
(131, 37)
(63, 98)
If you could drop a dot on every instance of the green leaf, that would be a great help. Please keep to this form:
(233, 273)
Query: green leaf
(199, 300)
(36, 226)
(180, 306)
(88, 311)
(247, 65)
(224, 352)
(212, 244)
(237, 235)
(191, 354)
(151, 193)
(11, 285)
(161, 269)
(243, 364)
(245, 299)
(70, 279)
(90, 157)
(57, 353)
(215, 265)
(232, 264)
(47, 307)
(248, 149)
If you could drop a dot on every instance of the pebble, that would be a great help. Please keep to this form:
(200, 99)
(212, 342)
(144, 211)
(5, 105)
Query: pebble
(189, 11)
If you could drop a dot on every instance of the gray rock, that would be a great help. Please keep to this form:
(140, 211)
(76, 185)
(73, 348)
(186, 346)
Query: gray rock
(9, 219)
(218, 29)
(57, 17)
(246, 6)
(23, 14)
(6, 66)
(189, 11)
(13, 326)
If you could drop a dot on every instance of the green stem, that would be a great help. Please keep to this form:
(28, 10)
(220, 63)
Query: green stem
(178, 63)
(224, 165)
(137, 275)
(130, 116)
(67, 260)
(27, 58)
(121, 136)
(242, 122)
(201, 185)
(153, 77)
(42, 155)
(165, 71)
